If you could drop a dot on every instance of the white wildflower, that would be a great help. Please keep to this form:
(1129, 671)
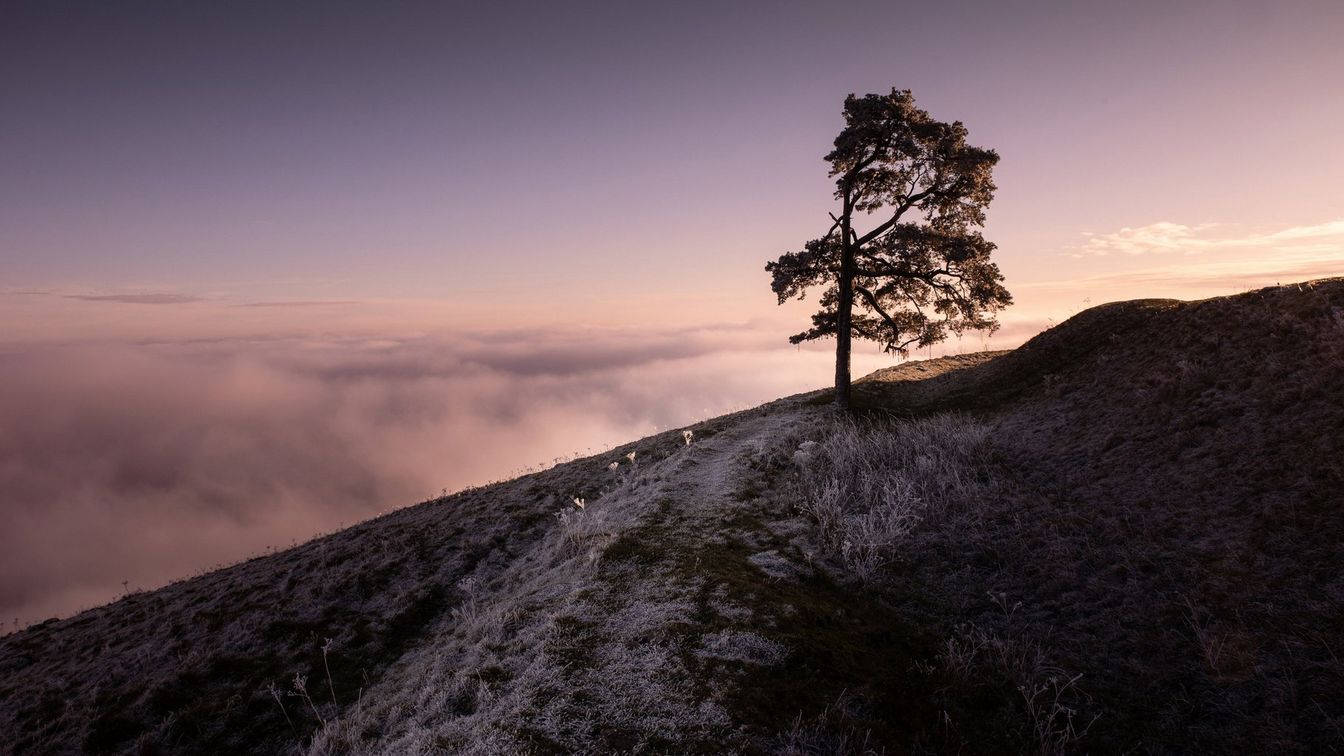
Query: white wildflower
(804, 454)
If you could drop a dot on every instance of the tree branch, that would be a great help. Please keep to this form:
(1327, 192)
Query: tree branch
(872, 302)
(909, 202)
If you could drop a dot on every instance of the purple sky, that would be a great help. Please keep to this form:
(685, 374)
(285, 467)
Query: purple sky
(340, 151)
(409, 189)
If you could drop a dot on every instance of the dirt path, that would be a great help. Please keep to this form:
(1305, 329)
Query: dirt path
(633, 627)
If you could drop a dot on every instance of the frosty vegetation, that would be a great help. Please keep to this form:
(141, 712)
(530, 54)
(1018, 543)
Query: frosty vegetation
(869, 486)
(1119, 537)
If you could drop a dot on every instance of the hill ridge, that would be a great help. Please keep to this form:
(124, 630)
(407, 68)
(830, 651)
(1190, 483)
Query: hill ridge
(1130, 496)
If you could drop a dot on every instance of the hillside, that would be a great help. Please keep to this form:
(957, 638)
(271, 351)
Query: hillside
(1122, 536)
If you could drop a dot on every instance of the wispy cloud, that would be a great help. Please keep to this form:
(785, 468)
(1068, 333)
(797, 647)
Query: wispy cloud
(148, 299)
(1205, 278)
(302, 303)
(1233, 276)
(1166, 237)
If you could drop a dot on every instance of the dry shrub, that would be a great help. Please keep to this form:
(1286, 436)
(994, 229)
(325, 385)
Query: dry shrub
(830, 733)
(1050, 699)
(868, 484)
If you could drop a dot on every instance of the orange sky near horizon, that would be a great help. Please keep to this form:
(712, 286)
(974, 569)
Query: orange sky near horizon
(1161, 260)
(601, 164)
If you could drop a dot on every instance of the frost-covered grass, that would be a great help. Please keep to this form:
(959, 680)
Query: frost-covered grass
(868, 484)
(597, 638)
(1147, 495)
(212, 663)
(1137, 553)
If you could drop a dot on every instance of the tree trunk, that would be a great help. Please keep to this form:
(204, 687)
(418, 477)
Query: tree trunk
(842, 339)
(844, 312)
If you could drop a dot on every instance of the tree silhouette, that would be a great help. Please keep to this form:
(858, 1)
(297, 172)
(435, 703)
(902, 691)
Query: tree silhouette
(915, 280)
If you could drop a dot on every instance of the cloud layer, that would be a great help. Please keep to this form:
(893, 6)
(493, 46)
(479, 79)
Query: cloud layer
(1178, 238)
(144, 463)
(140, 443)
(149, 299)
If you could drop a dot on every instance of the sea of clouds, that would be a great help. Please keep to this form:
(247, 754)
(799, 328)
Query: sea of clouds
(126, 465)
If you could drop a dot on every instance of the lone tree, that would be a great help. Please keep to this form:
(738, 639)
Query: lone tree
(915, 279)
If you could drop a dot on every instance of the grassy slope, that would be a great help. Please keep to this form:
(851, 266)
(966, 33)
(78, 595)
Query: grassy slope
(188, 666)
(1200, 460)
(1164, 507)
(1170, 515)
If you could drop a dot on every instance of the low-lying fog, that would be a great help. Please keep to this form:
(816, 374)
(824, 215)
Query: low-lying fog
(126, 465)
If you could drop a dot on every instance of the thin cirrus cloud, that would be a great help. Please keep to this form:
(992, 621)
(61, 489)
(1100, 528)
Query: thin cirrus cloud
(1190, 261)
(164, 298)
(144, 299)
(302, 303)
(1203, 279)
(1166, 237)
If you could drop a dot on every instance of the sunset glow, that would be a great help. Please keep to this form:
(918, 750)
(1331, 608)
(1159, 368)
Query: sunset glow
(264, 273)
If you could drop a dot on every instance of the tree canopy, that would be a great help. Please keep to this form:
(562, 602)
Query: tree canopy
(922, 270)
